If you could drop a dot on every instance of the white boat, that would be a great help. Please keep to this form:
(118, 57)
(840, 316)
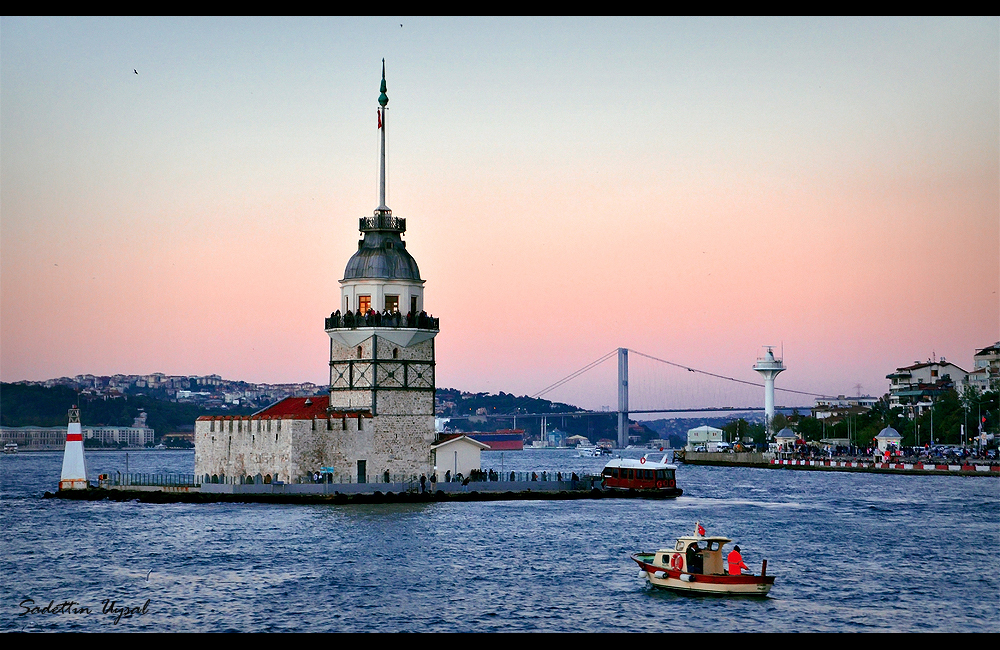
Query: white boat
(588, 451)
(695, 565)
(10, 448)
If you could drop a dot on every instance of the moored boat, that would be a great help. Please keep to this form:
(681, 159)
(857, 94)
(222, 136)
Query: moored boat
(644, 475)
(695, 565)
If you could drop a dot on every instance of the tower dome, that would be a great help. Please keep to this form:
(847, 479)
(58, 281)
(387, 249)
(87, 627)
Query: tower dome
(382, 254)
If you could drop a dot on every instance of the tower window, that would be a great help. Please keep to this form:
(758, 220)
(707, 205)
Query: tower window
(413, 305)
(359, 351)
(364, 303)
(392, 304)
(395, 353)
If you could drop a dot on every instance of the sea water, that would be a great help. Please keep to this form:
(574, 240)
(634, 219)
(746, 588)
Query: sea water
(850, 552)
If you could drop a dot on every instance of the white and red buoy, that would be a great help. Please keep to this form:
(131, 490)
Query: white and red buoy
(74, 469)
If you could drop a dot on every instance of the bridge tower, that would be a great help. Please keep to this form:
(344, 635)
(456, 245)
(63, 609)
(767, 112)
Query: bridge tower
(622, 397)
(769, 368)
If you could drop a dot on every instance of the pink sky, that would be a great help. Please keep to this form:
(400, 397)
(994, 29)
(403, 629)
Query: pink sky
(570, 187)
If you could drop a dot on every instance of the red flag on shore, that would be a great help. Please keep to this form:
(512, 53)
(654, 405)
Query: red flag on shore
(379, 119)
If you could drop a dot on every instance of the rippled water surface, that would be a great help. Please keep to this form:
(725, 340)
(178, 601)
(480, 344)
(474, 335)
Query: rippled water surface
(851, 552)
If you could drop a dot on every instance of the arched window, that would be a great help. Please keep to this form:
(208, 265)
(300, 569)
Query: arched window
(359, 351)
(395, 353)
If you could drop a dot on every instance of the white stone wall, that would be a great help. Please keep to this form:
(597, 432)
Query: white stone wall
(243, 447)
(399, 444)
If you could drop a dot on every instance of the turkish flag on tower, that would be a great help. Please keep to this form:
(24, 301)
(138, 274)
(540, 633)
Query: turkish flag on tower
(379, 119)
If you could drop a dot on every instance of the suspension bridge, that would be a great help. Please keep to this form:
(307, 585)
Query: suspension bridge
(657, 388)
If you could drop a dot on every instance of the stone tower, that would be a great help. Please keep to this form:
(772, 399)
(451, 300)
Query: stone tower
(382, 344)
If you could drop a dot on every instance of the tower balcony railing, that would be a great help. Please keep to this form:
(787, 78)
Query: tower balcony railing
(382, 221)
(352, 320)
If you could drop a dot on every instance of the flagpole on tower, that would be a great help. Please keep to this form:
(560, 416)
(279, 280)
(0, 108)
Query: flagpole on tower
(383, 99)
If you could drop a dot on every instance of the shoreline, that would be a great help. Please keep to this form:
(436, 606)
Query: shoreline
(863, 466)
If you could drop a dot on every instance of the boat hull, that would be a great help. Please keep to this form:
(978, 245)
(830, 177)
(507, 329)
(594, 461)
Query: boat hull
(699, 583)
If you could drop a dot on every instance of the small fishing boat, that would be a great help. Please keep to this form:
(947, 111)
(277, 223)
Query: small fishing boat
(695, 566)
(644, 475)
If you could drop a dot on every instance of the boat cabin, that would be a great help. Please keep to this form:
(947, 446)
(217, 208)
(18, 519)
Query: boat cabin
(694, 555)
(642, 474)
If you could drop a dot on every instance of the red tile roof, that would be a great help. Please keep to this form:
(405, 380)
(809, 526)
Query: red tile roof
(295, 408)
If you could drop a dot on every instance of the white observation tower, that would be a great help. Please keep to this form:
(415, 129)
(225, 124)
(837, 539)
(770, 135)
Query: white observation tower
(769, 368)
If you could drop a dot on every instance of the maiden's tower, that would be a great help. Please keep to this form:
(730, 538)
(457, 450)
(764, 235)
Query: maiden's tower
(377, 421)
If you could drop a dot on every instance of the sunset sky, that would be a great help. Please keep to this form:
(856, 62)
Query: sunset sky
(689, 188)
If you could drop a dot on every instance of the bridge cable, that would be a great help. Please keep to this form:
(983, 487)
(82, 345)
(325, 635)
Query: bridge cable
(576, 374)
(712, 374)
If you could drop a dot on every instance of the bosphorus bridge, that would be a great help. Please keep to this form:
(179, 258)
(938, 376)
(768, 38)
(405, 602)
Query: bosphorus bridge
(657, 385)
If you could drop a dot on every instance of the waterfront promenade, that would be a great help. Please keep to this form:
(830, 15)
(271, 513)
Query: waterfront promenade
(904, 466)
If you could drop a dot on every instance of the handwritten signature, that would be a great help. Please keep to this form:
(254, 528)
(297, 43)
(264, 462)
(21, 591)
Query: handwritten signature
(108, 607)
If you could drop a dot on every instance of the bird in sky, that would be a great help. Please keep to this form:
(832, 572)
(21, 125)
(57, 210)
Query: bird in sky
(135, 71)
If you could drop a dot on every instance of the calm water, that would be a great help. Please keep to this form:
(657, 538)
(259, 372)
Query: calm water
(851, 553)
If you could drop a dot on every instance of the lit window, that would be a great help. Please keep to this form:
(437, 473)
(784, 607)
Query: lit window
(364, 303)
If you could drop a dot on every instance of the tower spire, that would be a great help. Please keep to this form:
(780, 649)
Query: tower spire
(383, 99)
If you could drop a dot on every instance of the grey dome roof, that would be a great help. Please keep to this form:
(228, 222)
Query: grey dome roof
(382, 256)
(888, 432)
(786, 433)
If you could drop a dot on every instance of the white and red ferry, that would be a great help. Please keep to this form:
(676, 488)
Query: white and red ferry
(695, 566)
(644, 475)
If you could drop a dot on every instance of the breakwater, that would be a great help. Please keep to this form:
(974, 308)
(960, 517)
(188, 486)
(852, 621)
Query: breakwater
(770, 461)
(163, 489)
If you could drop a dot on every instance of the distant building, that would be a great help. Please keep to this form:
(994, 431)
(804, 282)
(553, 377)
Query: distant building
(702, 436)
(785, 439)
(888, 438)
(836, 408)
(500, 440)
(985, 374)
(54, 438)
(910, 384)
